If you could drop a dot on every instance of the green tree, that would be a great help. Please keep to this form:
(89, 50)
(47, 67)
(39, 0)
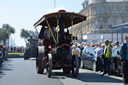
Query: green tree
(27, 33)
(10, 29)
(33, 33)
(3, 35)
(5, 32)
(24, 33)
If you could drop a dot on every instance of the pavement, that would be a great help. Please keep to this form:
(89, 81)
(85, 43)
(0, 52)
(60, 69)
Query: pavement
(16, 71)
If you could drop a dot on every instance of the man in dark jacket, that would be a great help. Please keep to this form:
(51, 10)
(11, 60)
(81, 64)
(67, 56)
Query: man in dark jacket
(124, 58)
(107, 57)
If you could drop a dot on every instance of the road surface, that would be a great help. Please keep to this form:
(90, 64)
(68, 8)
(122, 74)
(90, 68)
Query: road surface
(16, 71)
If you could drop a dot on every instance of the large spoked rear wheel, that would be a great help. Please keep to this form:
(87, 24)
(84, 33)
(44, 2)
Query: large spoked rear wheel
(39, 68)
(75, 65)
(39, 60)
(49, 66)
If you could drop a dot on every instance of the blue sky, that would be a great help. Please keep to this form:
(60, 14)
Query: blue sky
(24, 13)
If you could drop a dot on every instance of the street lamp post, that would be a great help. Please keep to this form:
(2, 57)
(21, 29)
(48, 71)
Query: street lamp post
(117, 35)
(102, 38)
(121, 34)
(112, 36)
(54, 3)
(81, 35)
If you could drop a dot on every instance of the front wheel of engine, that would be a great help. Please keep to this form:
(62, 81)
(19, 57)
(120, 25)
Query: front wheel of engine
(75, 66)
(49, 66)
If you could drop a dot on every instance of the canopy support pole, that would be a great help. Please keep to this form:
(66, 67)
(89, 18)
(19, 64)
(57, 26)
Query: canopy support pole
(57, 30)
(51, 31)
(78, 31)
(72, 30)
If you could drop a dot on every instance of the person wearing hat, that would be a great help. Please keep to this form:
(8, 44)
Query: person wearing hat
(124, 58)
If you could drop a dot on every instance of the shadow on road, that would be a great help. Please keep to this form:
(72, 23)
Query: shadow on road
(15, 56)
(59, 75)
(93, 77)
(5, 67)
(89, 77)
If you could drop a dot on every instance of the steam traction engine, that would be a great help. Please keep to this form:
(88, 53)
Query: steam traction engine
(54, 50)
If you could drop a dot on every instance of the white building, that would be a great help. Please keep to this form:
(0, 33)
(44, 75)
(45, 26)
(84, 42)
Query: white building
(101, 16)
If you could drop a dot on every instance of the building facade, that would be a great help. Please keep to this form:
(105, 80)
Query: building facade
(102, 15)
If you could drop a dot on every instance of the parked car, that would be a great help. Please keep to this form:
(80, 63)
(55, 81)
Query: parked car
(116, 66)
(89, 58)
(1, 57)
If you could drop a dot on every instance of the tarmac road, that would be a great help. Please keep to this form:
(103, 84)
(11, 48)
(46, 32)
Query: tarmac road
(16, 71)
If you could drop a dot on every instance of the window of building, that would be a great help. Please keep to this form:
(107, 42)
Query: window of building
(118, 10)
(109, 9)
(118, 21)
(102, 10)
(113, 9)
(98, 10)
(121, 9)
(110, 26)
(110, 23)
(101, 24)
(96, 24)
(126, 19)
(126, 9)
(93, 11)
(106, 9)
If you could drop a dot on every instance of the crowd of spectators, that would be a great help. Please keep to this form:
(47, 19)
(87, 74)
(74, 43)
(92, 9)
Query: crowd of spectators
(108, 54)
